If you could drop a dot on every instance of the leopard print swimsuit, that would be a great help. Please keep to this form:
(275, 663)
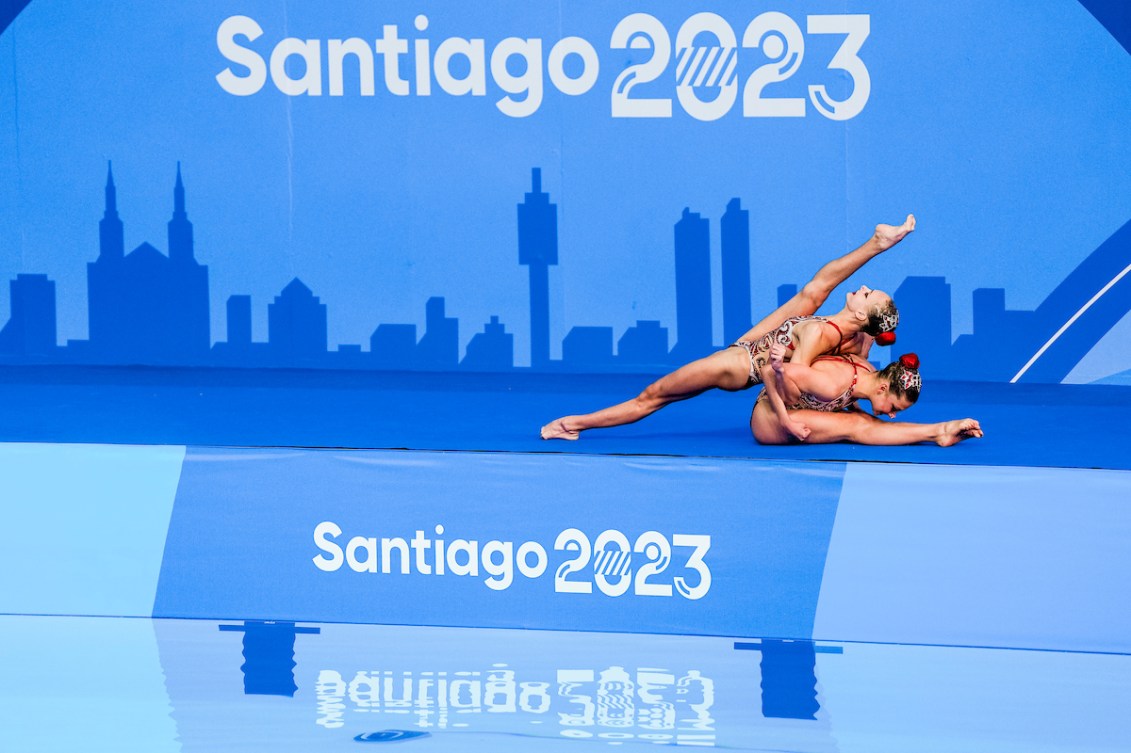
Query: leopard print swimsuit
(759, 349)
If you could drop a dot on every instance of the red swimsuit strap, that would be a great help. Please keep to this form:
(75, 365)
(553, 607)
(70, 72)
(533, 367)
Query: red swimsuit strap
(833, 324)
(846, 359)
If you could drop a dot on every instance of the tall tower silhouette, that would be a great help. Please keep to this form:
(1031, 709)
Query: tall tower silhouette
(180, 229)
(736, 271)
(190, 324)
(692, 287)
(111, 239)
(103, 319)
(538, 249)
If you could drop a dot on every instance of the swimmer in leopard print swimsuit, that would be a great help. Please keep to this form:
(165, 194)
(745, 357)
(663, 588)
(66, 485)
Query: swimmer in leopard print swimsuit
(825, 397)
(866, 314)
(809, 401)
(759, 349)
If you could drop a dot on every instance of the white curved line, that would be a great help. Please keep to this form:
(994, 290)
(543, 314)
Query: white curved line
(1070, 322)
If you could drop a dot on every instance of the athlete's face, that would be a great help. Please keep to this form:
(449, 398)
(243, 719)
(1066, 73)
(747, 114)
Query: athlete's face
(887, 404)
(865, 299)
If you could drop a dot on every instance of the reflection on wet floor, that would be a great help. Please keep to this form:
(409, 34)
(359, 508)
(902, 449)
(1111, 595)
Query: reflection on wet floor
(90, 684)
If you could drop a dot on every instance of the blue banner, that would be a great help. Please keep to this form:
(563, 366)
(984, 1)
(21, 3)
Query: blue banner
(699, 547)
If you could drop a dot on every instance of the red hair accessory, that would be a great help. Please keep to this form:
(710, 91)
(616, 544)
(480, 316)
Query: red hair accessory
(885, 338)
(908, 360)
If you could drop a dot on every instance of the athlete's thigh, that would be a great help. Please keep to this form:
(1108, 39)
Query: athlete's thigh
(727, 369)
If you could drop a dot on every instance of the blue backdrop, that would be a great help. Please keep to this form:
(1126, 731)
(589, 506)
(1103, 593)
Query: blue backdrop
(558, 186)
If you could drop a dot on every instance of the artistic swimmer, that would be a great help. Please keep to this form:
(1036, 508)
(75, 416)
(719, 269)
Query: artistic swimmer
(866, 314)
(824, 397)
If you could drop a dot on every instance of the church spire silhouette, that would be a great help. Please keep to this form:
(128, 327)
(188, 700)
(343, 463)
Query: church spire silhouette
(180, 229)
(111, 237)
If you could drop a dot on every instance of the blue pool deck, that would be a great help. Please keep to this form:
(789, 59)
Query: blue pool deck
(1068, 426)
(189, 570)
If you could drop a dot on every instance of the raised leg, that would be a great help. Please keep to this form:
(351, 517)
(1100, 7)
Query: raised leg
(815, 292)
(727, 369)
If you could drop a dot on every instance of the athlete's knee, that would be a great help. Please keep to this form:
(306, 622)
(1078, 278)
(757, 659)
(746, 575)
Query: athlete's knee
(813, 295)
(653, 397)
(862, 428)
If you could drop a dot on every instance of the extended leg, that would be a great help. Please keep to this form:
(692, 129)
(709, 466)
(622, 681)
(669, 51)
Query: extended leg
(727, 369)
(815, 292)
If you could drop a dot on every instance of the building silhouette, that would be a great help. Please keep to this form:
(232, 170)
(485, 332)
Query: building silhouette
(692, 287)
(735, 230)
(785, 292)
(588, 348)
(644, 344)
(296, 325)
(538, 249)
(490, 350)
(31, 328)
(146, 307)
(393, 346)
(239, 322)
(439, 347)
(924, 323)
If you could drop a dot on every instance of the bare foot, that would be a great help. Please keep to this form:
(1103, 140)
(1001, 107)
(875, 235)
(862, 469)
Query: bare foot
(953, 432)
(557, 430)
(888, 235)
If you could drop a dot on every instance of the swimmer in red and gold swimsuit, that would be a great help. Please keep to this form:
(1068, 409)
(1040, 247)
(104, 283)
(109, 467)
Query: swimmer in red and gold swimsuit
(824, 398)
(866, 314)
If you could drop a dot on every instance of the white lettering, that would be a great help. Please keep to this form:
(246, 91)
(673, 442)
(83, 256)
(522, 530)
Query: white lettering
(423, 75)
(322, 532)
(540, 559)
(529, 83)
(310, 51)
(241, 86)
(502, 573)
(471, 563)
(336, 51)
(392, 47)
(590, 65)
(475, 82)
(420, 545)
(387, 547)
(369, 564)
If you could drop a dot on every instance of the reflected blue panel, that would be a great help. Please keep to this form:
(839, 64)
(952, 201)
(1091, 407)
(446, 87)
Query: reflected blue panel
(269, 656)
(103, 684)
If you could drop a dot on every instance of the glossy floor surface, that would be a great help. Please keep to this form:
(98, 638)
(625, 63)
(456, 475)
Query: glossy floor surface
(110, 684)
(1081, 426)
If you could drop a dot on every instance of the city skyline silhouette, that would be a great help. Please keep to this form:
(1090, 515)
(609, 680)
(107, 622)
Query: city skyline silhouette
(149, 308)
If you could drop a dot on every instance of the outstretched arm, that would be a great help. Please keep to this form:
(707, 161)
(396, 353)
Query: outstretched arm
(860, 428)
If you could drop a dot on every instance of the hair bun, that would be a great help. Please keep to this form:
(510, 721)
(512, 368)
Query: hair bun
(885, 338)
(909, 361)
